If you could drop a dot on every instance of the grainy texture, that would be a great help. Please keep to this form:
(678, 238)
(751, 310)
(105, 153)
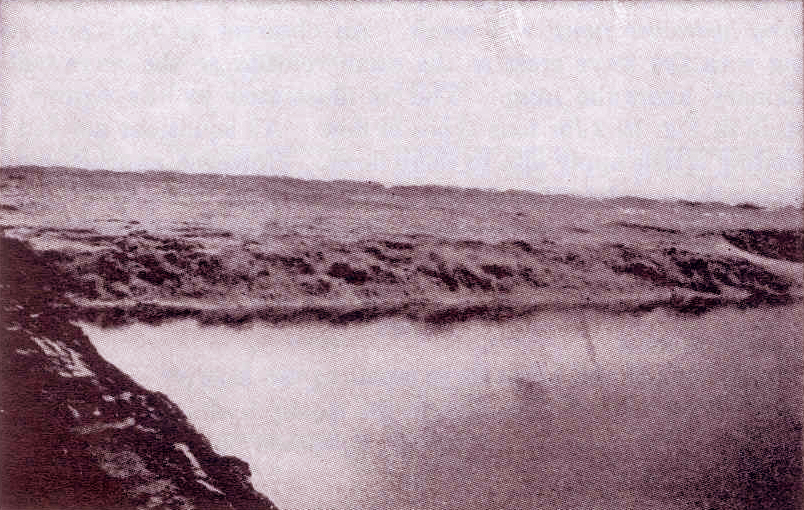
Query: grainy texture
(120, 248)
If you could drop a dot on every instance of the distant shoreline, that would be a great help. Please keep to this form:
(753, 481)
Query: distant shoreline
(158, 175)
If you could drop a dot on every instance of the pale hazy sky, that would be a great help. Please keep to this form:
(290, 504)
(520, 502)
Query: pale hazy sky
(695, 100)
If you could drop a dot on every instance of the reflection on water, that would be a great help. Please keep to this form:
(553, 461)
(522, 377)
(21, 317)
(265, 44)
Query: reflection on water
(556, 411)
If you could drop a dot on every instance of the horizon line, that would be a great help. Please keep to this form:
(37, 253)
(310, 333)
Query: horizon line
(387, 185)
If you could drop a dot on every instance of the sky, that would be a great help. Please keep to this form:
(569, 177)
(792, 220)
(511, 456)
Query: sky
(696, 100)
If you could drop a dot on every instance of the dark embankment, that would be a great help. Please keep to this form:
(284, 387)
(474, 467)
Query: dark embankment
(79, 434)
(147, 277)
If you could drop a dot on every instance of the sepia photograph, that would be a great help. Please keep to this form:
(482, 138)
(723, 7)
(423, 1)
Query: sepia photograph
(401, 255)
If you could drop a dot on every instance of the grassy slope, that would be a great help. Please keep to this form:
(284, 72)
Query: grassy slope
(231, 248)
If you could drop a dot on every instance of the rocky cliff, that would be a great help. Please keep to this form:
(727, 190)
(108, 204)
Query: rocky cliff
(79, 434)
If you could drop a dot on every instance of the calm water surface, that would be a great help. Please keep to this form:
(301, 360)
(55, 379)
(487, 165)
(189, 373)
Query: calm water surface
(574, 410)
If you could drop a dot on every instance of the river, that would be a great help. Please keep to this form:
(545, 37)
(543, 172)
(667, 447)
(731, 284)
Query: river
(560, 410)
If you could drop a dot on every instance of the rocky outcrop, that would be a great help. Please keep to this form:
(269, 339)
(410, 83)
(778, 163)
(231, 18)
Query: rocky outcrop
(79, 434)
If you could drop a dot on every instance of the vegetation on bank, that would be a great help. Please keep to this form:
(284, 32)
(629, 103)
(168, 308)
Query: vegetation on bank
(151, 277)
